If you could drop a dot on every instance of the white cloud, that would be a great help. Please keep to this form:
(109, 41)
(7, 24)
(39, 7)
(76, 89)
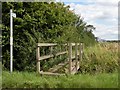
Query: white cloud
(100, 13)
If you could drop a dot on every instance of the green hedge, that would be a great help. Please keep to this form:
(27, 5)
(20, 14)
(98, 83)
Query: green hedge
(39, 22)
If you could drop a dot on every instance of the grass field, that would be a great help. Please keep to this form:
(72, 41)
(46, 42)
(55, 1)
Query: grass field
(98, 70)
(103, 57)
(34, 80)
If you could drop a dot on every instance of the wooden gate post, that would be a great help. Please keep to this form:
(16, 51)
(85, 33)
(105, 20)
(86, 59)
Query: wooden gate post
(81, 51)
(38, 57)
(51, 50)
(60, 51)
(70, 57)
(76, 55)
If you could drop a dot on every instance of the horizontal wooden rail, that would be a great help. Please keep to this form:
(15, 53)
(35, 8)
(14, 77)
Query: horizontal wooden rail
(46, 44)
(61, 53)
(45, 57)
(59, 66)
(73, 44)
(50, 56)
(49, 73)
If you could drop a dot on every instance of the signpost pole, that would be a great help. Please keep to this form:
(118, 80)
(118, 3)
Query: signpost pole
(11, 39)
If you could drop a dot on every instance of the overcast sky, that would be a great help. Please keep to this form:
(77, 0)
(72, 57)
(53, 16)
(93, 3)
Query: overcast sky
(103, 14)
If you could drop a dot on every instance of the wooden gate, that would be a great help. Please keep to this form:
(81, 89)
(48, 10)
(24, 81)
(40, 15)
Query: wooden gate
(73, 57)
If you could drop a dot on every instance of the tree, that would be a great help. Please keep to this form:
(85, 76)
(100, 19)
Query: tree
(39, 22)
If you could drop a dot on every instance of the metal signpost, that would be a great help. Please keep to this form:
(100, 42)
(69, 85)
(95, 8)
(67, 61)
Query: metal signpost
(11, 39)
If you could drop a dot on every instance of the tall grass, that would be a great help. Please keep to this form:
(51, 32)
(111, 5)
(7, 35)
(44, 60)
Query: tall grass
(102, 57)
(34, 80)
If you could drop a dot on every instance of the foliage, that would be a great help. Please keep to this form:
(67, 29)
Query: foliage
(102, 57)
(39, 22)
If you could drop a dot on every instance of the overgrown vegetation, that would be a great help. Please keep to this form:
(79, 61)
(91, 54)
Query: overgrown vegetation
(103, 57)
(34, 80)
(54, 22)
(40, 22)
(100, 58)
(98, 69)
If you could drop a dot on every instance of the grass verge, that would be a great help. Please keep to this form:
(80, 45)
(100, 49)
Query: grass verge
(34, 80)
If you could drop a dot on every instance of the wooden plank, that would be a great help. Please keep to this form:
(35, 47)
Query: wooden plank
(64, 44)
(57, 67)
(50, 56)
(62, 64)
(73, 57)
(73, 70)
(46, 57)
(81, 51)
(49, 44)
(61, 53)
(78, 65)
(46, 44)
(73, 63)
(76, 54)
(70, 57)
(51, 50)
(49, 73)
(73, 44)
(82, 48)
(37, 58)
